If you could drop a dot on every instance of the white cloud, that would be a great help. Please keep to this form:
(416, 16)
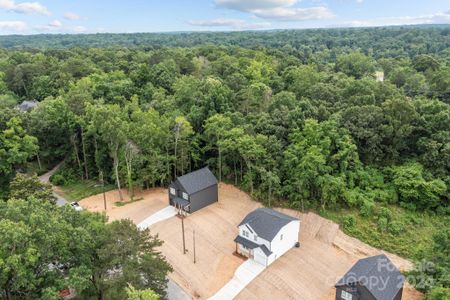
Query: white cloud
(55, 24)
(233, 23)
(13, 25)
(250, 5)
(280, 10)
(218, 23)
(295, 14)
(437, 18)
(359, 1)
(71, 16)
(24, 7)
(79, 29)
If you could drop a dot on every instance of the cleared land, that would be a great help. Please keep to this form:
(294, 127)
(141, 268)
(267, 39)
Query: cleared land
(308, 272)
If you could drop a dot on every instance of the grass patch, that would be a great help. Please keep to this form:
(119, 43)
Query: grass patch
(410, 241)
(82, 189)
(123, 203)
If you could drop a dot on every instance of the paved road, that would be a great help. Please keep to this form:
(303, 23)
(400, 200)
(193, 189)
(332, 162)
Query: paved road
(60, 201)
(174, 291)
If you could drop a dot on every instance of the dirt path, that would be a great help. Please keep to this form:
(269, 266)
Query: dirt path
(308, 272)
(46, 179)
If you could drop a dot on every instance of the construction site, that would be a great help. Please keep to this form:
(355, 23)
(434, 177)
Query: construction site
(209, 262)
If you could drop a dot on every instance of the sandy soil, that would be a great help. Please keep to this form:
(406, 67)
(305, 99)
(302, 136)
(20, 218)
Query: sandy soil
(308, 272)
(152, 201)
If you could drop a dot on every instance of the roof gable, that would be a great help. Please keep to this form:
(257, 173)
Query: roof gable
(373, 269)
(266, 222)
(197, 180)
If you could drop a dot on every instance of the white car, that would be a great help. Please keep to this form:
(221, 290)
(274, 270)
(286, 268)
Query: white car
(76, 206)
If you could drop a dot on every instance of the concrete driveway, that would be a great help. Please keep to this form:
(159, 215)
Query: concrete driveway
(161, 215)
(244, 274)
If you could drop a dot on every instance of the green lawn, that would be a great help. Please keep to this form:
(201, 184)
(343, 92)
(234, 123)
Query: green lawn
(82, 189)
(414, 236)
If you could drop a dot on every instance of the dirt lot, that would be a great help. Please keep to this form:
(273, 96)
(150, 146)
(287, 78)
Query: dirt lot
(152, 201)
(308, 272)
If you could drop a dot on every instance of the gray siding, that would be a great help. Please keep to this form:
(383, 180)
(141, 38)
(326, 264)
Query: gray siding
(177, 187)
(203, 198)
(361, 293)
(198, 200)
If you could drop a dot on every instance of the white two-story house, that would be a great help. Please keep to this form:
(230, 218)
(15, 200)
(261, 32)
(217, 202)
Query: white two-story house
(265, 235)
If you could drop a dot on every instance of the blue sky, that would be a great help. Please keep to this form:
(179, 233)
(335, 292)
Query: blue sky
(83, 16)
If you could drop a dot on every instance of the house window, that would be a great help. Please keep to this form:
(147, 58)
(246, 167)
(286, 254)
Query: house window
(281, 237)
(245, 233)
(185, 196)
(172, 191)
(346, 296)
(255, 237)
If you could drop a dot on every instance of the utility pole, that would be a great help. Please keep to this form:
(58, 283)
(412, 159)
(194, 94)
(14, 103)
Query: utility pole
(103, 188)
(182, 229)
(193, 238)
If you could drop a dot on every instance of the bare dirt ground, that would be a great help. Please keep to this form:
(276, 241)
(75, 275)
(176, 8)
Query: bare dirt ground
(308, 272)
(152, 201)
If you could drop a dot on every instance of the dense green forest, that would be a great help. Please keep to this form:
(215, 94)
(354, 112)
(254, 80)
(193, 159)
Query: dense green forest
(296, 118)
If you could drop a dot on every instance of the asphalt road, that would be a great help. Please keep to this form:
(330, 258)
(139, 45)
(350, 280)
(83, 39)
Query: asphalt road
(174, 291)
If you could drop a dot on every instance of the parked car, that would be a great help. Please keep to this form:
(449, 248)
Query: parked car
(76, 206)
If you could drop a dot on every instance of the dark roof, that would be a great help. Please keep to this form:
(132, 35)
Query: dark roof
(252, 245)
(266, 251)
(180, 201)
(27, 105)
(247, 243)
(388, 280)
(198, 180)
(266, 222)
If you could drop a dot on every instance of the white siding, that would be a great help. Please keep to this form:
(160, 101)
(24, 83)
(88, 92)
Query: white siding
(251, 237)
(278, 246)
(290, 237)
(260, 256)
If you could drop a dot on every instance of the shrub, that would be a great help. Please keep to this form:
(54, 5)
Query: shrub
(367, 207)
(396, 227)
(382, 223)
(385, 213)
(349, 222)
(57, 179)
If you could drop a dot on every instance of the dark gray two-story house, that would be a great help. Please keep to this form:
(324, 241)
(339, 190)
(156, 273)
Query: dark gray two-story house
(371, 278)
(194, 190)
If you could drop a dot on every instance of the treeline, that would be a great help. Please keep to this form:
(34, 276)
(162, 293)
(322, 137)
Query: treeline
(262, 119)
(307, 129)
(394, 41)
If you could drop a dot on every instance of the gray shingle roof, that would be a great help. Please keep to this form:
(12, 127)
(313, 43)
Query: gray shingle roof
(266, 251)
(197, 180)
(27, 105)
(180, 201)
(252, 245)
(266, 222)
(247, 243)
(378, 274)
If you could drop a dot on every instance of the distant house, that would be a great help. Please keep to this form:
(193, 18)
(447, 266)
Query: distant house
(194, 190)
(371, 278)
(265, 235)
(379, 75)
(27, 105)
